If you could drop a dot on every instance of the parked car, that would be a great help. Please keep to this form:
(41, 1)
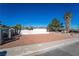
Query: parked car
(74, 31)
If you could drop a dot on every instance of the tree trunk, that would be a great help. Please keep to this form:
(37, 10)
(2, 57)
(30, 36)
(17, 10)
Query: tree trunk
(67, 25)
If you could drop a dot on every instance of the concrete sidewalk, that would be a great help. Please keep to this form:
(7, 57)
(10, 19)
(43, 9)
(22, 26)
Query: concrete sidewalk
(37, 48)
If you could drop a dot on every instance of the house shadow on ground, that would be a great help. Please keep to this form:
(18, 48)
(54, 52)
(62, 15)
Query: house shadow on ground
(11, 40)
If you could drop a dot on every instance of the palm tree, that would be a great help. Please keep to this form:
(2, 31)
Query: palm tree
(67, 17)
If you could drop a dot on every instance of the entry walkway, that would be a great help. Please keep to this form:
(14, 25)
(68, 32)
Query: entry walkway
(35, 49)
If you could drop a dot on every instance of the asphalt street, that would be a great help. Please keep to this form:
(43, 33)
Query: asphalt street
(68, 50)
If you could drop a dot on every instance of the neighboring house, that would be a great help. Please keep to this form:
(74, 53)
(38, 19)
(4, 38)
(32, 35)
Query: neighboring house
(4, 26)
(40, 30)
(36, 30)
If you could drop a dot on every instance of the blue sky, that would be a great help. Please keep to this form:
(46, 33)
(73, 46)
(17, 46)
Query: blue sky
(37, 14)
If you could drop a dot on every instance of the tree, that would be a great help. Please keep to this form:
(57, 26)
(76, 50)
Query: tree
(61, 27)
(67, 18)
(29, 28)
(49, 28)
(55, 25)
(18, 27)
